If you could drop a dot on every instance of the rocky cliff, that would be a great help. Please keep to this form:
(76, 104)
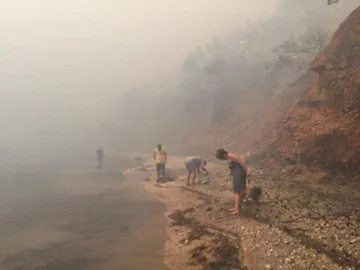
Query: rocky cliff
(322, 127)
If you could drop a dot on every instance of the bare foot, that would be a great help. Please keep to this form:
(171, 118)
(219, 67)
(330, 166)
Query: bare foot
(232, 209)
(235, 212)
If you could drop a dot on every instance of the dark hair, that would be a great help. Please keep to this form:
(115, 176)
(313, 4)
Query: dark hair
(220, 153)
(159, 146)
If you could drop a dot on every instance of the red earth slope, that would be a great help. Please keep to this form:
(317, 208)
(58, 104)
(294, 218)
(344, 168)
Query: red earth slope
(322, 128)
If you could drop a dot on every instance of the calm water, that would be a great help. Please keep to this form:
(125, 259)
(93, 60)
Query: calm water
(68, 215)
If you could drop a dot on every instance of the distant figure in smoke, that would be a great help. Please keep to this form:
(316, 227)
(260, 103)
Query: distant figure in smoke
(100, 157)
(194, 165)
(239, 172)
(160, 157)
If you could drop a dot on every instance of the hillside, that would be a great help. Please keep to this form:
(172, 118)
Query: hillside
(262, 131)
(322, 128)
(274, 91)
(262, 98)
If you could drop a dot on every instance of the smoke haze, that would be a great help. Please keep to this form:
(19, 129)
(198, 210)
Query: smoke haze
(64, 63)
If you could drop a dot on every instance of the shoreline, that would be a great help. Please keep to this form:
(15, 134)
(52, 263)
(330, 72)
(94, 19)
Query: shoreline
(79, 217)
(193, 243)
(278, 233)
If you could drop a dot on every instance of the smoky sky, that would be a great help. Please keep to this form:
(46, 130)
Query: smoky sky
(63, 61)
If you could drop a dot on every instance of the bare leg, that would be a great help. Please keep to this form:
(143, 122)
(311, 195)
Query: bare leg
(193, 178)
(188, 178)
(237, 204)
(233, 208)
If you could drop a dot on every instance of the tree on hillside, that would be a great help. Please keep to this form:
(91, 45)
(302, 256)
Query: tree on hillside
(216, 75)
(299, 50)
(316, 37)
(313, 40)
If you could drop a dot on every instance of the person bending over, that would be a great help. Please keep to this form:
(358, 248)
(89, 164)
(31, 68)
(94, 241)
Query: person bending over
(239, 173)
(194, 165)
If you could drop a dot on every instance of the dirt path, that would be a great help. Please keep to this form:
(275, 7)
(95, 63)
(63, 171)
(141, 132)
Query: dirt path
(79, 218)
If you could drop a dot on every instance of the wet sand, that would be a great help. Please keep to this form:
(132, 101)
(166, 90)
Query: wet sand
(61, 217)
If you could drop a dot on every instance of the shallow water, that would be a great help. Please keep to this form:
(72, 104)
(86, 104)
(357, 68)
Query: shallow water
(77, 217)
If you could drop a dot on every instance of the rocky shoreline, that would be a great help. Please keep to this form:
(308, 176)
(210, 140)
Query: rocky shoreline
(298, 224)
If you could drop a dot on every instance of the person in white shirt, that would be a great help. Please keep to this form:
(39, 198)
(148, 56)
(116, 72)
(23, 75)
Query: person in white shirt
(194, 165)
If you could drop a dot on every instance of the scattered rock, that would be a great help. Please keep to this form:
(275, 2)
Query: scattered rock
(354, 240)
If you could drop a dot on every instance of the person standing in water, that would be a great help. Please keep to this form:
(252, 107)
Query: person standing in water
(239, 173)
(160, 157)
(194, 165)
(100, 157)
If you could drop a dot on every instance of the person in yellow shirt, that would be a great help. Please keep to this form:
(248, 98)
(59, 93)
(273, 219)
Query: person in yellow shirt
(160, 158)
